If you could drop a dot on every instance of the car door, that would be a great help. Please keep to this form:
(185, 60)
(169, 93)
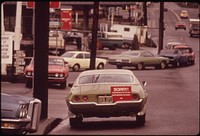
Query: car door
(149, 59)
(86, 62)
(80, 59)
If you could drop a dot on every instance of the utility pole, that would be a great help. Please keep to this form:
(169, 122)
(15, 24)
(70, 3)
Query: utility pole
(145, 13)
(40, 80)
(161, 27)
(94, 35)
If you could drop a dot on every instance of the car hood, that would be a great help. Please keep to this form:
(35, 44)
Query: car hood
(10, 104)
(55, 68)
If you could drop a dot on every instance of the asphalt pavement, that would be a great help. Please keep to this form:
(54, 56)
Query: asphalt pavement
(47, 125)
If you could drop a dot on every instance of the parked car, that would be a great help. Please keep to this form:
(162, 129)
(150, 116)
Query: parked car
(81, 60)
(180, 25)
(19, 114)
(176, 57)
(187, 51)
(58, 71)
(139, 59)
(171, 45)
(106, 93)
(184, 14)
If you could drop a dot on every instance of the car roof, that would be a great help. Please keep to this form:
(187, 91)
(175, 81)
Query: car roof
(181, 46)
(107, 71)
(77, 52)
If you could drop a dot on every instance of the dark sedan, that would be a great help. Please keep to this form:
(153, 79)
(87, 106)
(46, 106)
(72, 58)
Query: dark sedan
(19, 114)
(176, 57)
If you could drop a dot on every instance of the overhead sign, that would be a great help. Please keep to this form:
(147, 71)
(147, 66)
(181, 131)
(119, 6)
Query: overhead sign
(55, 4)
(121, 93)
(66, 23)
(6, 49)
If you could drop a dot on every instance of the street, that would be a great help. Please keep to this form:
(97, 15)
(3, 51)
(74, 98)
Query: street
(173, 93)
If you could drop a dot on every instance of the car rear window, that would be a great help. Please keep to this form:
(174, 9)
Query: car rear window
(106, 78)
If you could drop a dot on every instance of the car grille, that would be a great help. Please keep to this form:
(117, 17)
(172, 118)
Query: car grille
(51, 75)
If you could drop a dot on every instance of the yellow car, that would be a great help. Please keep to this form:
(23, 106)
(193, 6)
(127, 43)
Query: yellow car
(106, 93)
(81, 60)
(184, 14)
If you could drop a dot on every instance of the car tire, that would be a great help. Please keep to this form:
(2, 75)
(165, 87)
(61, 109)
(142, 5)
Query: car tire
(28, 84)
(140, 66)
(100, 66)
(126, 45)
(63, 85)
(75, 122)
(113, 47)
(76, 67)
(140, 120)
(162, 65)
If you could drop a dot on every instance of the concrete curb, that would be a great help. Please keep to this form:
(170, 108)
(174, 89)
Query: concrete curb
(47, 125)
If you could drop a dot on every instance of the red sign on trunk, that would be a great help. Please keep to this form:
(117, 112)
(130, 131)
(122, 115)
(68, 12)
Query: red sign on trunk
(121, 93)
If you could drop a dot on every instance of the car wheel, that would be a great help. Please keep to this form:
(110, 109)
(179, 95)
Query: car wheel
(100, 66)
(114, 47)
(63, 85)
(162, 65)
(28, 84)
(119, 66)
(175, 28)
(177, 64)
(76, 67)
(140, 119)
(75, 122)
(139, 66)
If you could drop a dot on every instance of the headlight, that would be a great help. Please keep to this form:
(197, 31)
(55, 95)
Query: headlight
(61, 75)
(23, 110)
(29, 73)
(56, 75)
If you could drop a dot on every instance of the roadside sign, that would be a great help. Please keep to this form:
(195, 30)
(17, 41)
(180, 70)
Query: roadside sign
(55, 4)
(6, 49)
(66, 23)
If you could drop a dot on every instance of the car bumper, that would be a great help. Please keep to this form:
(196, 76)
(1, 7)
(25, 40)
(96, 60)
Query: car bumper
(50, 79)
(119, 108)
(122, 64)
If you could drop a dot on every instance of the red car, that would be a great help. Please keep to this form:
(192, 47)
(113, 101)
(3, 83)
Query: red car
(188, 51)
(58, 71)
(180, 25)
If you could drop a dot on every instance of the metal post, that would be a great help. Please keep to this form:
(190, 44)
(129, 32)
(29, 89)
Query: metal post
(18, 25)
(161, 27)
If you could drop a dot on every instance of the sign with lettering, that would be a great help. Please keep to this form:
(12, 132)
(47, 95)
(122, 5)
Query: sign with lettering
(6, 49)
(121, 93)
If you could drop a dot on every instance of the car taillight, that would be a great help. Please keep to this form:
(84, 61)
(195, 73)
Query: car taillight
(85, 98)
(77, 98)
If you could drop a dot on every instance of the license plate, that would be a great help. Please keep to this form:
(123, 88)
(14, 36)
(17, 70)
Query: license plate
(105, 99)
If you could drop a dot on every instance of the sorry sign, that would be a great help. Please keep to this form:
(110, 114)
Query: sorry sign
(121, 93)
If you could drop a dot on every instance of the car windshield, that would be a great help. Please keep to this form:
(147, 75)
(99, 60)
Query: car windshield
(53, 61)
(130, 53)
(167, 51)
(56, 61)
(185, 50)
(68, 54)
(106, 78)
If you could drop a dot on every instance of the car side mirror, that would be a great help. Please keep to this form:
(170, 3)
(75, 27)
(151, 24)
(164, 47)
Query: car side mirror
(144, 83)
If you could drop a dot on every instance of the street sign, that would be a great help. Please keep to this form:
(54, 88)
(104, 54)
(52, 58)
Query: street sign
(55, 4)
(6, 49)
(66, 20)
